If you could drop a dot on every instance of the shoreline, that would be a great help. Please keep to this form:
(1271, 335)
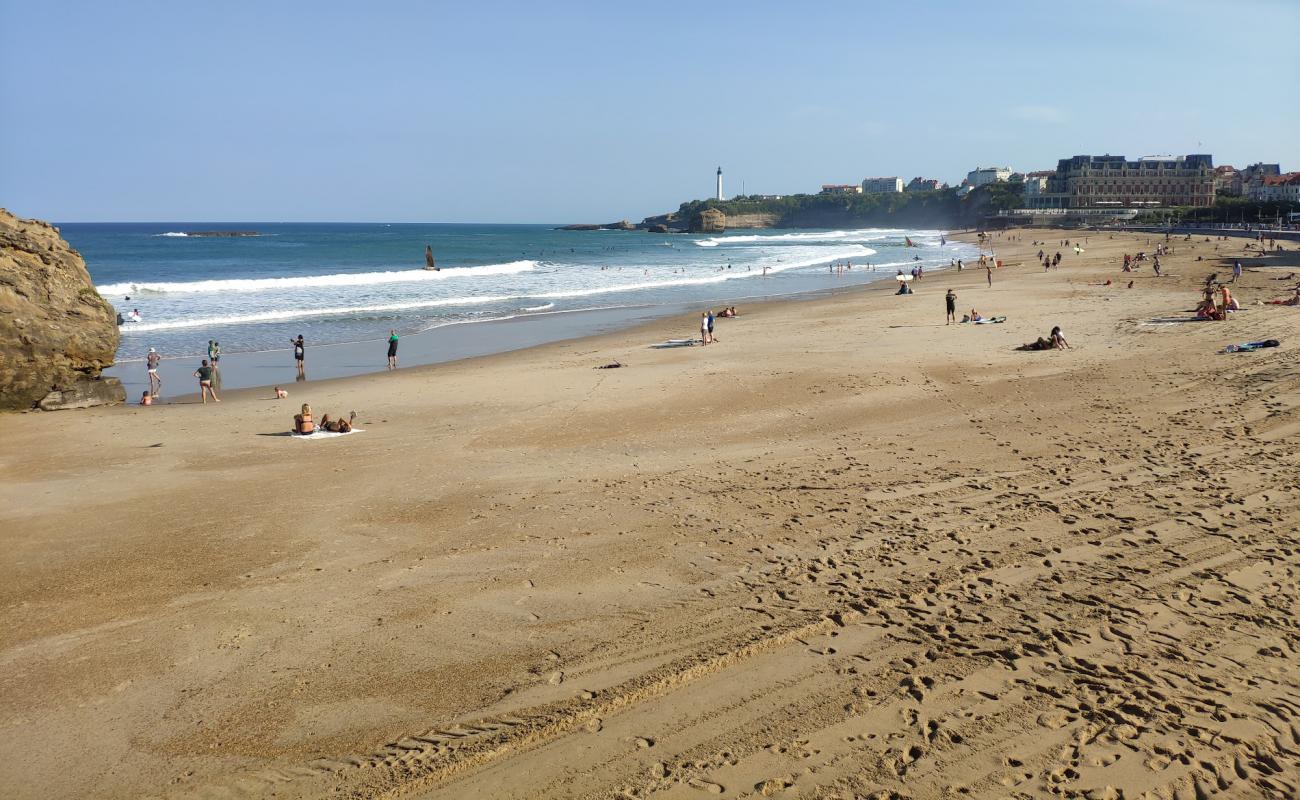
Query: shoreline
(848, 549)
(451, 342)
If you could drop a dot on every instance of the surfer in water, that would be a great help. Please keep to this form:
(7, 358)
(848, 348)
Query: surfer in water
(428, 258)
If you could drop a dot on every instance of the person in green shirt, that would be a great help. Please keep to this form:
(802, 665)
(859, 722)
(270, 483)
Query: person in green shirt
(204, 374)
(392, 349)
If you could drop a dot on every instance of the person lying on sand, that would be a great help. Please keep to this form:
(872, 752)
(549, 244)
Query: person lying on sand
(1054, 341)
(1293, 300)
(302, 422)
(338, 425)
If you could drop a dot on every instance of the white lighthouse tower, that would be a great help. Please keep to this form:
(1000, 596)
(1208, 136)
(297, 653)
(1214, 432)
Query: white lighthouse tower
(720, 197)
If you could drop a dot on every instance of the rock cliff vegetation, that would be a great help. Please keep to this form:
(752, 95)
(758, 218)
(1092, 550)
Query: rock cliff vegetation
(56, 332)
(940, 208)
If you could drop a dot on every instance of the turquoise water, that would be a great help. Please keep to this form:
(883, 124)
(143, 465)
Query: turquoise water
(337, 283)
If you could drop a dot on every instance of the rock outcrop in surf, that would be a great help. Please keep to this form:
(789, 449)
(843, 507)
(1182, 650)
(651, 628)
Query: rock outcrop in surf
(56, 333)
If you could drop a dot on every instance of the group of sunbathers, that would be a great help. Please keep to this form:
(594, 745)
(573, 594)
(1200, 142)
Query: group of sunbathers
(1209, 309)
(304, 425)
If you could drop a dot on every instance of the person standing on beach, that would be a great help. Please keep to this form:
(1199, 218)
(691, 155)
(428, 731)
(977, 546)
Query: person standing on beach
(204, 374)
(988, 268)
(299, 354)
(214, 355)
(711, 318)
(1236, 271)
(392, 349)
(950, 300)
(151, 363)
(212, 351)
(705, 336)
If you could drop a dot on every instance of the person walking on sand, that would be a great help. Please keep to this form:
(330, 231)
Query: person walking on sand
(204, 374)
(392, 349)
(151, 364)
(1236, 271)
(950, 300)
(711, 318)
(988, 269)
(299, 354)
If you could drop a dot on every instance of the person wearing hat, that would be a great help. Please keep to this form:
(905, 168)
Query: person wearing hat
(151, 361)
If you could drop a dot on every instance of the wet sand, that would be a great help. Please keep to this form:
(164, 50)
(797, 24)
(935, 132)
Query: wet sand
(847, 551)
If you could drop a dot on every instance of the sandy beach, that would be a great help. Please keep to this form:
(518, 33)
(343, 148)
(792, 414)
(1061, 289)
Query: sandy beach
(848, 551)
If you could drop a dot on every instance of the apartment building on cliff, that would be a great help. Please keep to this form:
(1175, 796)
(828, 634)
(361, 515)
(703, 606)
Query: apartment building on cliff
(1116, 182)
(882, 185)
(982, 175)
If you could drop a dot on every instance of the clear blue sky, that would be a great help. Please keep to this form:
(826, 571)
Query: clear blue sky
(558, 112)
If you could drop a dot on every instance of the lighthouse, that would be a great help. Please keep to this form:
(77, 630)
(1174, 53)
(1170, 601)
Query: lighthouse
(720, 197)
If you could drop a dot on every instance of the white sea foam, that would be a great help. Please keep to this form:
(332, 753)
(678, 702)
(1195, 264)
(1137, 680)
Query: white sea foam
(538, 308)
(289, 314)
(315, 281)
(286, 314)
(864, 235)
(172, 233)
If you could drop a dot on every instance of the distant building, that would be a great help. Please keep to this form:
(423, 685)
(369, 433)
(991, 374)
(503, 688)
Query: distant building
(920, 185)
(841, 188)
(766, 196)
(982, 175)
(965, 188)
(1253, 176)
(1115, 182)
(1036, 183)
(1227, 180)
(882, 185)
(1277, 187)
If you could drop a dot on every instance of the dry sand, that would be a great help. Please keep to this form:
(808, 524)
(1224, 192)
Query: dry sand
(846, 552)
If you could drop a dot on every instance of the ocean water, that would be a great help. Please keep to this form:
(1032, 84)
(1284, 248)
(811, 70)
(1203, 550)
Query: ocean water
(336, 283)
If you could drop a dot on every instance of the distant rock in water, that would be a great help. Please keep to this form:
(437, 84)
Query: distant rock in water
(56, 332)
(621, 225)
(222, 233)
(710, 220)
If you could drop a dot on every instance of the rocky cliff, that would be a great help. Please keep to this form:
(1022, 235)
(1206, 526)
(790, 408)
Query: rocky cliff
(56, 332)
(756, 220)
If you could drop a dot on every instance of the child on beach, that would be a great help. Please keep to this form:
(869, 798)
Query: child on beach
(392, 349)
(705, 334)
(146, 399)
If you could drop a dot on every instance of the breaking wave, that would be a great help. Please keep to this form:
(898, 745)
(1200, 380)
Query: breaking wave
(315, 281)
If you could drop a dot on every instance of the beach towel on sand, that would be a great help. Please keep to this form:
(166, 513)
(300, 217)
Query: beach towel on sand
(1248, 346)
(321, 434)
